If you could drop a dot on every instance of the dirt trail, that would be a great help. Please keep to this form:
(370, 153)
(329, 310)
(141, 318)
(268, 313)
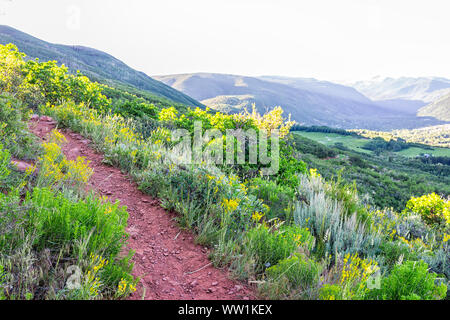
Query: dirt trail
(168, 262)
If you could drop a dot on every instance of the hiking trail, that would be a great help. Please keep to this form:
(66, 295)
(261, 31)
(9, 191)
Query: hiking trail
(171, 266)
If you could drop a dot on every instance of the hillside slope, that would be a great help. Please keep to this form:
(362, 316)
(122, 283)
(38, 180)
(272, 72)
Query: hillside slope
(439, 109)
(322, 87)
(426, 89)
(309, 102)
(97, 65)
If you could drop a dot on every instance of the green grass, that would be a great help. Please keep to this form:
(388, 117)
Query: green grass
(330, 139)
(356, 144)
(414, 152)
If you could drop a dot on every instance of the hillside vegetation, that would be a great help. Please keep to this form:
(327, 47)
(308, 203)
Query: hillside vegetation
(388, 178)
(296, 234)
(97, 65)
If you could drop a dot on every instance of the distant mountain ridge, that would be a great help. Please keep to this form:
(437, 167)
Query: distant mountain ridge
(322, 87)
(424, 96)
(426, 89)
(440, 109)
(97, 65)
(309, 101)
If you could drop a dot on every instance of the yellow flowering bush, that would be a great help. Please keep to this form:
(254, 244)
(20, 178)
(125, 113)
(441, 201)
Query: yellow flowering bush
(353, 275)
(92, 284)
(55, 170)
(168, 115)
(269, 245)
(433, 209)
(257, 216)
(271, 121)
(125, 288)
(230, 205)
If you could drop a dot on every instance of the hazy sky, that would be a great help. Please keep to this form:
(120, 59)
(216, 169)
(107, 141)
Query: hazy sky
(325, 39)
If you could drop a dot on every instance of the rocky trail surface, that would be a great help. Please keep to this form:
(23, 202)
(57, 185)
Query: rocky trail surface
(170, 265)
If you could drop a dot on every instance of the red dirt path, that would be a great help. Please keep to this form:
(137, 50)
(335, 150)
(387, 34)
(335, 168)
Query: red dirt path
(165, 255)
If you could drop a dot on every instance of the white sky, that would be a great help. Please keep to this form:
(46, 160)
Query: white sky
(324, 39)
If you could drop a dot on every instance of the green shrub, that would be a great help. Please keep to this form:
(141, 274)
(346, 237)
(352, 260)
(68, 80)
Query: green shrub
(290, 167)
(270, 245)
(348, 279)
(60, 221)
(13, 129)
(48, 233)
(293, 277)
(395, 251)
(409, 281)
(135, 109)
(433, 209)
(279, 198)
(4, 164)
(330, 292)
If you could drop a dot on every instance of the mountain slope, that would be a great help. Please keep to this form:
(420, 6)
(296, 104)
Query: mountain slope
(97, 65)
(426, 89)
(440, 109)
(322, 87)
(310, 102)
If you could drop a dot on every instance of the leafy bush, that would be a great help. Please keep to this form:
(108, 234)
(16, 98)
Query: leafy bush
(293, 277)
(395, 252)
(351, 281)
(4, 163)
(100, 224)
(13, 129)
(57, 171)
(409, 281)
(290, 168)
(37, 83)
(278, 198)
(439, 260)
(270, 245)
(432, 208)
(41, 238)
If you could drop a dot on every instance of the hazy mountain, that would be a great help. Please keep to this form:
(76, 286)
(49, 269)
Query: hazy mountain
(309, 101)
(338, 90)
(426, 89)
(96, 64)
(322, 87)
(401, 105)
(439, 109)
